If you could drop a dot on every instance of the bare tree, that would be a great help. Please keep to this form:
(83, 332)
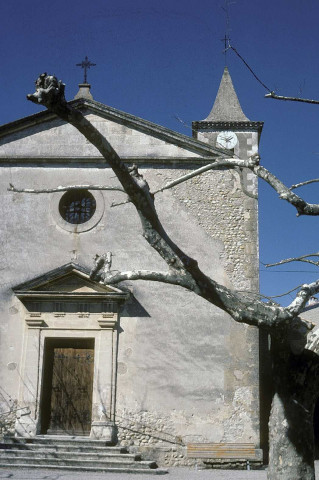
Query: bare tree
(294, 341)
(290, 99)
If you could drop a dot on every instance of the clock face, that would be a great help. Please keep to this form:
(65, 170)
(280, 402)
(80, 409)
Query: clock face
(227, 139)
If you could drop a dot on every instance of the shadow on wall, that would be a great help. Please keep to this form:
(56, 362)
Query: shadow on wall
(133, 308)
(316, 429)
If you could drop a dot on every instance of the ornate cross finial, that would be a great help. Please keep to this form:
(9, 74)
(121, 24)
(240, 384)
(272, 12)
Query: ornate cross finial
(85, 64)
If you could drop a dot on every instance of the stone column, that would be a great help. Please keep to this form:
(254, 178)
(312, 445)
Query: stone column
(27, 423)
(104, 389)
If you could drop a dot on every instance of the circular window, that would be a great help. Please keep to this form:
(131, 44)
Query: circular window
(77, 206)
(77, 210)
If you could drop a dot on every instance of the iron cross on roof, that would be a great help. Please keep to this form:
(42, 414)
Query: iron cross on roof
(85, 64)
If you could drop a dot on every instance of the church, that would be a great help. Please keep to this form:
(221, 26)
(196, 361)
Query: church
(144, 365)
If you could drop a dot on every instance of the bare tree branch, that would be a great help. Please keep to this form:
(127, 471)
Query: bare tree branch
(295, 372)
(118, 204)
(282, 294)
(215, 165)
(182, 122)
(301, 184)
(285, 193)
(302, 207)
(292, 99)
(302, 297)
(12, 188)
(182, 267)
(173, 278)
(303, 258)
(52, 97)
(241, 307)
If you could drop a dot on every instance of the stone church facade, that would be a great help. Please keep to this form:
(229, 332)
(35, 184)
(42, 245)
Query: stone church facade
(149, 365)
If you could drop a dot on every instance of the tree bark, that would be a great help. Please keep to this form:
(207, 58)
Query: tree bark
(291, 431)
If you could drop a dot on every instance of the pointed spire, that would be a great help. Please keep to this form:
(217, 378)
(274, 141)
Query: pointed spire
(226, 107)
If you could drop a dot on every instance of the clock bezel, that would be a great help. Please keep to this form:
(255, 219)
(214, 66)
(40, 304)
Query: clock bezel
(234, 136)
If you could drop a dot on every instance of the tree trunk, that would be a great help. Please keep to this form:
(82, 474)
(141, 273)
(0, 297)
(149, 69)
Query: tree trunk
(291, 437)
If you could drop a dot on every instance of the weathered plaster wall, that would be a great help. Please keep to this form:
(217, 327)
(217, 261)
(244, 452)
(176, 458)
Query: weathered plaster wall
(53, 137)
(186, 371)
(227, 361)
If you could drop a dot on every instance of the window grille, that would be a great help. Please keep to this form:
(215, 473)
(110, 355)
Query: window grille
(77, 206)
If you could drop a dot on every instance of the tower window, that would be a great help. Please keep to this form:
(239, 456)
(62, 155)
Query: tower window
(77, 206)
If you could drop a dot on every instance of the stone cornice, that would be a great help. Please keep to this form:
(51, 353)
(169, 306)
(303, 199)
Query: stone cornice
(219, 126)
(99, 162)
(73, 295)
(35, 322)
(108, 321)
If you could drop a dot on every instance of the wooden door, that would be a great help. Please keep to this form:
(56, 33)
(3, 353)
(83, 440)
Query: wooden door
(71, 395)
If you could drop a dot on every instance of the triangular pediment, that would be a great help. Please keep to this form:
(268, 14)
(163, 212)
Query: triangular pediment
(44, 135)
(68, 280)
(72, 282)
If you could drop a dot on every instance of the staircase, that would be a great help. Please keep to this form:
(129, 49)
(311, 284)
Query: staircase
(71, 453)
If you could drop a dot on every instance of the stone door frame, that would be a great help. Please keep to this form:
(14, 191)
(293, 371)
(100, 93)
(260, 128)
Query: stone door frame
(41, 325)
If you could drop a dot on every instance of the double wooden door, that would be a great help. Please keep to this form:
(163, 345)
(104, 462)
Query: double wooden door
(71, 391)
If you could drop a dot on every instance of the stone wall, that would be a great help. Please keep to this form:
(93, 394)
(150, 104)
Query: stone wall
(225, 212)
(186, 371)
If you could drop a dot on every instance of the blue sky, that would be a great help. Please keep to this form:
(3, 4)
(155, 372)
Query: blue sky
(161, 59)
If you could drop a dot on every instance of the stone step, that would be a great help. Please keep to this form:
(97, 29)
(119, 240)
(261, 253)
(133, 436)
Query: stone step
(135, 470)
(54, 439)
(71, 453)
(56, 447)
(107, 456)
(76, 462)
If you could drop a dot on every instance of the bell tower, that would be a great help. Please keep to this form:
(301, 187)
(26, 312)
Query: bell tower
(227, 126)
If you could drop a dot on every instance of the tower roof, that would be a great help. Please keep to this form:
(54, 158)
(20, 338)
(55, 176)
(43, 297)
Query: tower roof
(226, 107)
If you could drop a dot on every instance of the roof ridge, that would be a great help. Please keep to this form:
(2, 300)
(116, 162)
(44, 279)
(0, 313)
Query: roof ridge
(164, 133)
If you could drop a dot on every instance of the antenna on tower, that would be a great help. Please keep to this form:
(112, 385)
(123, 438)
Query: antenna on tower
(226, 38)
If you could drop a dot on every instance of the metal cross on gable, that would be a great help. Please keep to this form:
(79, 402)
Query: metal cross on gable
(85, 64)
